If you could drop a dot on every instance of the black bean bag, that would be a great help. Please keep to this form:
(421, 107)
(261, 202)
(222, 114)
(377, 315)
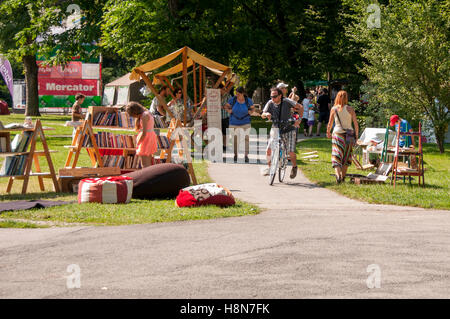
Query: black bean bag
(159, 181)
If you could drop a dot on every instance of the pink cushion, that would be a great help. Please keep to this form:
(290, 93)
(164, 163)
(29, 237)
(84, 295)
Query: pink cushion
(105, 190)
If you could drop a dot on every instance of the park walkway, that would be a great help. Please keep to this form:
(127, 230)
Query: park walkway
(309, 243)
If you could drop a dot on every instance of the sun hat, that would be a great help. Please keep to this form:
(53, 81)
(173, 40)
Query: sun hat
(282, 85)
(393, 120)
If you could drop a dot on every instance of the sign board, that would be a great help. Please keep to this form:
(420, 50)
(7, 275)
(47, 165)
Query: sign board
(213, 102)
(69, 87)
(19, 97)
(58, 85)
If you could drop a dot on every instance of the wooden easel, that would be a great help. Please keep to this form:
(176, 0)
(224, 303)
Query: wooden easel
(179, 140)
(417, 153)
(77, 145)
(33, 158)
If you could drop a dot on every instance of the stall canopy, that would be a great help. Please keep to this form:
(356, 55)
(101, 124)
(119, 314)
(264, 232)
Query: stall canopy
(189, 59)
(123, 90)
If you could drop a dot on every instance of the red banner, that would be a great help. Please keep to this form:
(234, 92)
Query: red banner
(73, 70)
(68, 87)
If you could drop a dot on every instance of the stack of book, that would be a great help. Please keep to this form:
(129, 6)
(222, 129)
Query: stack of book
(123, 162)
(14, 165)
(106, 139)
(120, 119)
(21, 142)
(159, 123)
(163, 142)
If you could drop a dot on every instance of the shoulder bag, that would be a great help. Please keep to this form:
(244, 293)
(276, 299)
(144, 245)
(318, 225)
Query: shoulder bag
(349, 133)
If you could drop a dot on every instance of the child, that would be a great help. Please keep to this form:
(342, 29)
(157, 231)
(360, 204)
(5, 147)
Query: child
(76, 108)
(147, 143)
(311, 118)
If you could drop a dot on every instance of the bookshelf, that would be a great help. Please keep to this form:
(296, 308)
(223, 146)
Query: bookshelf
(18, 162)
(105, 118)
(415, 165)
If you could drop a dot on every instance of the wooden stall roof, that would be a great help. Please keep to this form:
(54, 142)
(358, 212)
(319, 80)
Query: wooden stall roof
(191, 54)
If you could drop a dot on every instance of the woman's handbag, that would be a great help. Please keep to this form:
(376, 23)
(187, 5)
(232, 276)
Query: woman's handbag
(349, 133)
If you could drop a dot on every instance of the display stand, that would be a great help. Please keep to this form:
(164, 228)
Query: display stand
(32, 157)
(176, 127)
(77, 144)
(417, 154)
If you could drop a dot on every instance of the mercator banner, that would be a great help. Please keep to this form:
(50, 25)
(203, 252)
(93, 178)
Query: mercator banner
(6, 71)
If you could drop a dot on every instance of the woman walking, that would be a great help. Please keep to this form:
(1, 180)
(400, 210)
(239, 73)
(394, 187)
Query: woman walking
(240, 107)
(146, 141)
(344, 134)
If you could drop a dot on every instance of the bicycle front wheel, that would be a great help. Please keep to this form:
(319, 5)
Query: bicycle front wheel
(274, 164)
(282, 163)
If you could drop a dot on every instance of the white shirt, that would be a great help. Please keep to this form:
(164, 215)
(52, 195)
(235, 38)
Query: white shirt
(311, 115)
(305, 103)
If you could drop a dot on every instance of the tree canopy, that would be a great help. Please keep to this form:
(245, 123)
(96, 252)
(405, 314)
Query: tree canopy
(407, 59)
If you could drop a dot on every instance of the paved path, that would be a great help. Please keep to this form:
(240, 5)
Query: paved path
(310, 243)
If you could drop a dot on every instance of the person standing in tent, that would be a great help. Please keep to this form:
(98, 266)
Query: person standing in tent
(240, 107)
(176, 106)
(146, 141)
(156, 108)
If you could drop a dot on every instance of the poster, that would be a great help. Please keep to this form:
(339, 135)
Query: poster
(213, 102)
(122, 95)
(108, 95)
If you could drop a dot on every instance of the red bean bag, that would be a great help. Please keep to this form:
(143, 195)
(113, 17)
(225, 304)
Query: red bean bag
(105, 190)
(159, 181)
(205, 194)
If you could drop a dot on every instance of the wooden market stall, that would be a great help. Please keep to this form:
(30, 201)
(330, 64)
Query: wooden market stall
(192, 63)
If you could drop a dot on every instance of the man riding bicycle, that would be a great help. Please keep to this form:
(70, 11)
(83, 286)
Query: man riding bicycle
(279, 109)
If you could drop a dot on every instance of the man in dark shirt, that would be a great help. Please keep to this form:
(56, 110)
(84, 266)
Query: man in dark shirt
(276, 105)
(324, 108)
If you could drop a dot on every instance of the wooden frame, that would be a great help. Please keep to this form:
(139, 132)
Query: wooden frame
(180, 142)
(419, 171)
(33, 158)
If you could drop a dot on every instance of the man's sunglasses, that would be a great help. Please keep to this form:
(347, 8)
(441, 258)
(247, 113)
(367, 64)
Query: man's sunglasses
(274, 96)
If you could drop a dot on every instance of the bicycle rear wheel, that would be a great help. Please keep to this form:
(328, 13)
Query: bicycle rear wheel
(274, 164)
(282, 163)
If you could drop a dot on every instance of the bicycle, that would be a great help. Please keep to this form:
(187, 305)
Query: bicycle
(279, 158)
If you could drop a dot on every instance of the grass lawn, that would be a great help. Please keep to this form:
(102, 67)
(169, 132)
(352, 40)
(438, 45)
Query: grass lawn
(436, 193)
(136, 212)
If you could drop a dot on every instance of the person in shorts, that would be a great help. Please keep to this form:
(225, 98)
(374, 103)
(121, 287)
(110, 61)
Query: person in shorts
(311, 119)
(280, 108)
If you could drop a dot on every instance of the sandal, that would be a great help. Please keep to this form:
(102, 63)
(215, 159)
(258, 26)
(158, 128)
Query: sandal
(338, 179)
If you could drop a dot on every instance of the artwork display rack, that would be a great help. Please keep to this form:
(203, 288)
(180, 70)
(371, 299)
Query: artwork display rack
(417, 154)
(32, 157)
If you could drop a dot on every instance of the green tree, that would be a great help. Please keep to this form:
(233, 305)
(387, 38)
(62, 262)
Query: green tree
(407, 58)
(263, 40)
(27, 29)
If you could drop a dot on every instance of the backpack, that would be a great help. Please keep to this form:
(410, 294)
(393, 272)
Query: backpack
(248, 107)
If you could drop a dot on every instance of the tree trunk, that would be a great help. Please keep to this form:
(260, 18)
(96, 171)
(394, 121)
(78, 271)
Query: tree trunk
(31, 80)
(439, 132)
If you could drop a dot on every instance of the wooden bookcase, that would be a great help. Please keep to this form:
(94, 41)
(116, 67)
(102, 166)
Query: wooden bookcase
(415, 156)
(87, 129)
(31, 157)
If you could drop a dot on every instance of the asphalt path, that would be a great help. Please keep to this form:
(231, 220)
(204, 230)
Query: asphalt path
(309, 243)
